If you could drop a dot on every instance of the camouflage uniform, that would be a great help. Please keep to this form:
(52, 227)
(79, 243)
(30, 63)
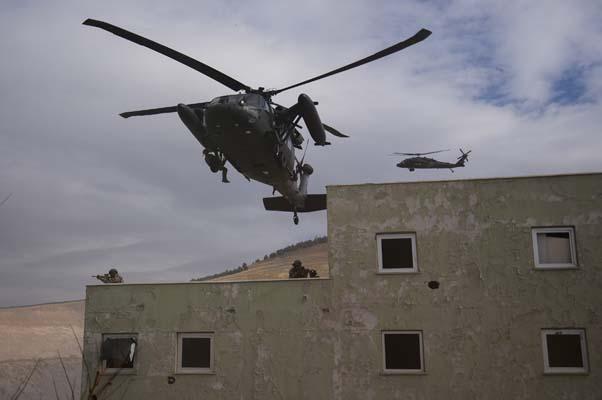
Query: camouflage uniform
(299, 271)
(112, 277)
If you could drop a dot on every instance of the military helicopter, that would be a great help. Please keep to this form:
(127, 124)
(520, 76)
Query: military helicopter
(429, 163)
(248, 130)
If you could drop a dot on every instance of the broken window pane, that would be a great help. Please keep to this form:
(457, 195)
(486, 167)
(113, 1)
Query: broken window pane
(196, 352)
(564, 351)
(554, 248)
(402, 351)
(397, 253)
(118, 352)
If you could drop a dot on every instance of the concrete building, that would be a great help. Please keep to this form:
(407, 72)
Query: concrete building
(469, 289)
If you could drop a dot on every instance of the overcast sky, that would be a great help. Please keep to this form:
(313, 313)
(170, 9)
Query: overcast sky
(518, 82)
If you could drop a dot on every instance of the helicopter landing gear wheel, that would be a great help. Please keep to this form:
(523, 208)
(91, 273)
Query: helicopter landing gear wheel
(296, 218)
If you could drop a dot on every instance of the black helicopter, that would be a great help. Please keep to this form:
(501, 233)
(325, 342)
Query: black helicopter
(255, 135)
(429, 163)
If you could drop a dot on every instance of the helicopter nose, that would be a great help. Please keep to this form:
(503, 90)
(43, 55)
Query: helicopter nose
(228, 111)
(187, 115)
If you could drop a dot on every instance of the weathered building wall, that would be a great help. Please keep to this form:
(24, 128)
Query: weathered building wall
(269, 340)
(321, 338)
(482, 326)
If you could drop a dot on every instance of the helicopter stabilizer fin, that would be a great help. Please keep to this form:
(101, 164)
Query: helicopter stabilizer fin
(313, 202)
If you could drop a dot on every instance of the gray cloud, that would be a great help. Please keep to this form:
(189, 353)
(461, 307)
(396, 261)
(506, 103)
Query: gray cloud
(91, 190)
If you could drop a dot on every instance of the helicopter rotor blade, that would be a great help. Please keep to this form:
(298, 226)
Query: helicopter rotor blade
(418, 154)
(154, 111)
(174, 55)
(433, 152)
(333, 131)
(418, 37)
(5, 199)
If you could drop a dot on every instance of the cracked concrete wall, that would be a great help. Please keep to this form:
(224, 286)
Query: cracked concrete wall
(321, 338)
(482, 326)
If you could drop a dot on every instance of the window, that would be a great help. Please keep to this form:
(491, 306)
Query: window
(118, 352)
(195, 353)
(564, 351)
(554, 247)
(396, 252)
(402, 352)
(255, 100)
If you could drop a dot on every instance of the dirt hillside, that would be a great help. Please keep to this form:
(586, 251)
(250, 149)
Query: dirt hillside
(314, 257)
(40, 332)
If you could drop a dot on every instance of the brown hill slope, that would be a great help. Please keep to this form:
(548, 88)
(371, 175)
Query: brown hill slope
(314, 257)
(40, 332)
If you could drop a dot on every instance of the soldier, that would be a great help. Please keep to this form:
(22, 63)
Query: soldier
(112, 277)
(299, 271)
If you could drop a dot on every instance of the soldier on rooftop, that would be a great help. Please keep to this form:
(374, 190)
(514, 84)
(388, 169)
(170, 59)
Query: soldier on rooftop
(299, 271)
(112, 277)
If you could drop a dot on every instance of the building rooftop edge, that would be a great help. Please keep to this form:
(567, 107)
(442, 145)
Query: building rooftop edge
(465, 180)
(207, 282)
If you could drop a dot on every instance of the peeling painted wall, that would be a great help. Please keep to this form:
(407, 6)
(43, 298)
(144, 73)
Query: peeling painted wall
(321, 338)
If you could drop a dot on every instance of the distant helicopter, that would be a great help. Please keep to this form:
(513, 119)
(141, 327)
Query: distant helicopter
(255, 135)
(429, 163)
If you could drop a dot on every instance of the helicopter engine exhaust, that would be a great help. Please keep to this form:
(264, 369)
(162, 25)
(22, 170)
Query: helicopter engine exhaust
(310, 115)
(192, 119)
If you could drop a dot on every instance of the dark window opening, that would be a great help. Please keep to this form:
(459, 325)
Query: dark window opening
(397, 253)
(196, 352)
(564, 351)
(118, 352)
(561, 235)
(402, 351)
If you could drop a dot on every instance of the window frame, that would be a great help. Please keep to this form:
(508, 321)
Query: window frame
(190, 370)
(387, 371)
(379, 252)
(565, 370)
(120, 371)
(572, 244)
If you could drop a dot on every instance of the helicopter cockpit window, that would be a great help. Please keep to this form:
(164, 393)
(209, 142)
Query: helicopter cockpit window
(254, 100)
(220, 100)
(262, 103)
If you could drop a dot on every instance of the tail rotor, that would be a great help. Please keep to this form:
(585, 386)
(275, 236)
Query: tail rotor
(464, 157)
